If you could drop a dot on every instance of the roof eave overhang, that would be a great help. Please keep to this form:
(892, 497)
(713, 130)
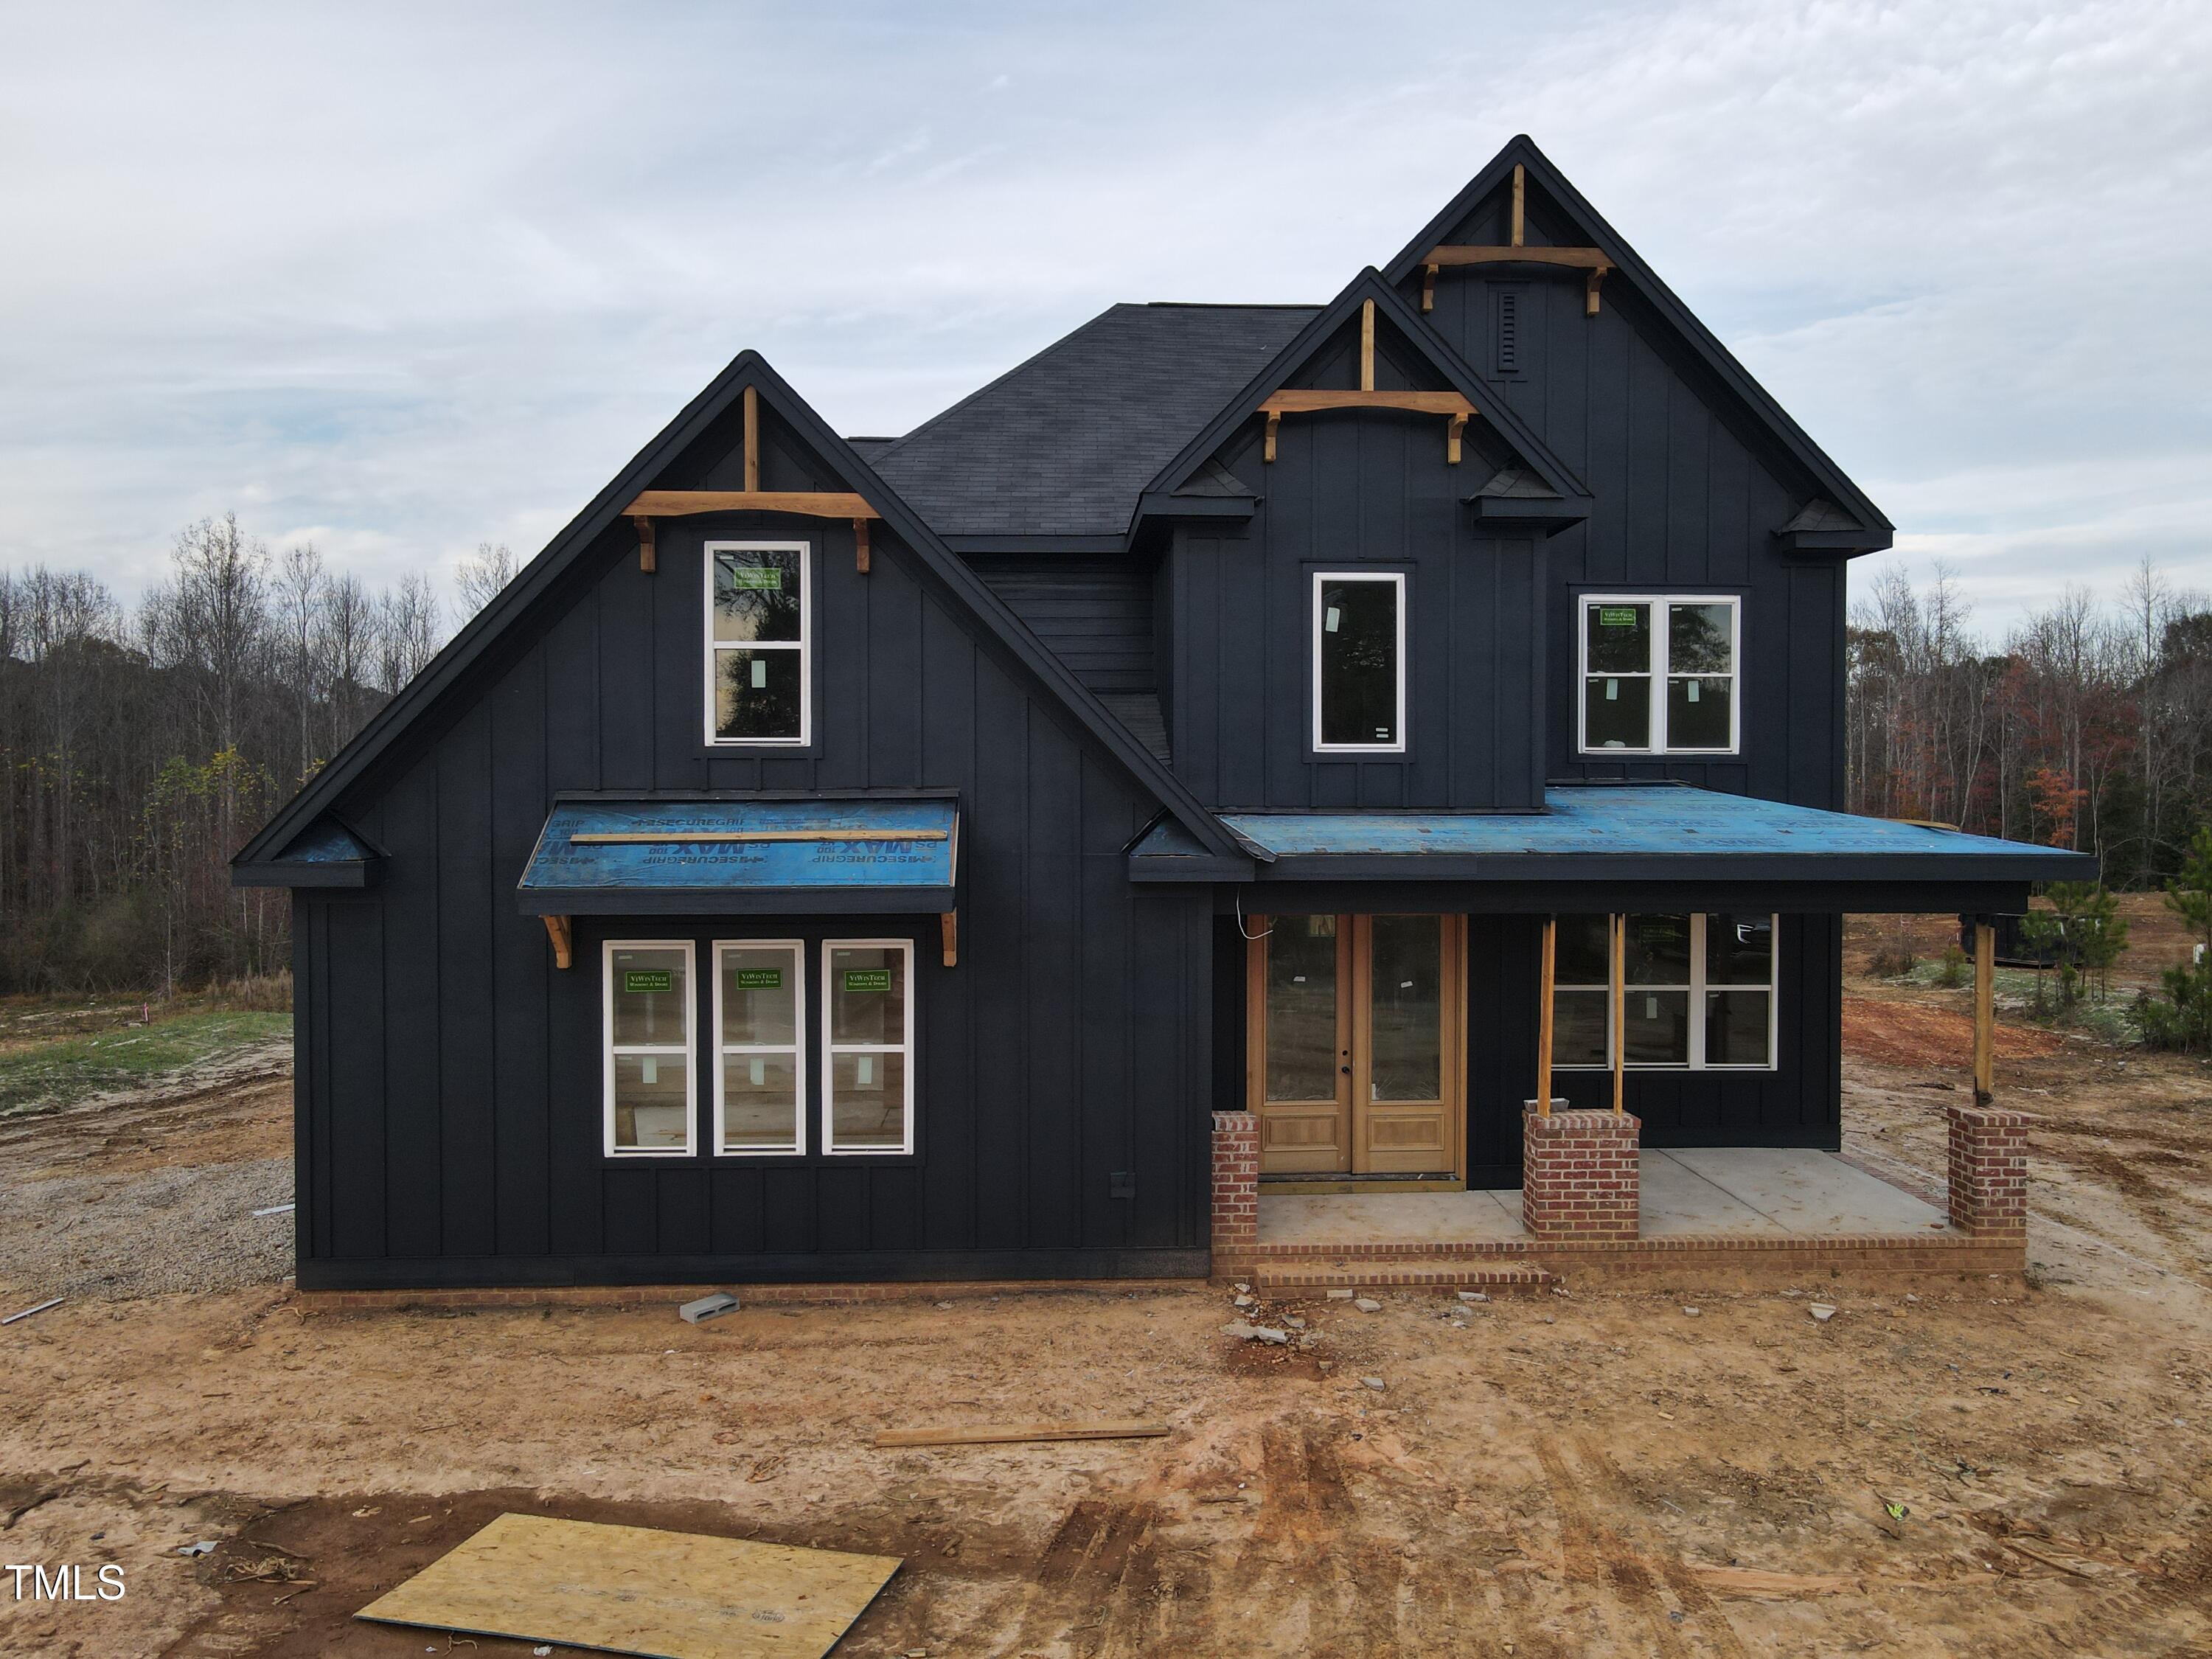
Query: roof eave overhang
(355, 873)
(1537, 516)
(1848, 543)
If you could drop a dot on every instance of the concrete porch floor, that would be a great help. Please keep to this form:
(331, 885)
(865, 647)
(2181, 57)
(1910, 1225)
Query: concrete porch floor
(1728, 1192)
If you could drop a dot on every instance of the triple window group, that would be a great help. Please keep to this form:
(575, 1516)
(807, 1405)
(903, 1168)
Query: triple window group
(762, 1060)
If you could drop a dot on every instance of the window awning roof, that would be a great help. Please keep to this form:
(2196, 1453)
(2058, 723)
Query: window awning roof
(1608, 833)
(724, 855)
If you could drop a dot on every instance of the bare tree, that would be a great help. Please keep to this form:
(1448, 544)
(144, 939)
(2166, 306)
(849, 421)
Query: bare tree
(299, 582)
(407, 632)
(481, 576)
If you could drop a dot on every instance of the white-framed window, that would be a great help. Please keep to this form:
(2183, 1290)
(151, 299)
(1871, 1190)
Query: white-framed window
(1359, 662)
(760, 1063)
(868, 1045)
(650, 1092)
(759, 659)
(1659, 673)
(1698, 994)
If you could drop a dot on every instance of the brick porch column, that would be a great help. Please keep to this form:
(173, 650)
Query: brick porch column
(1235, 1184)
(1988, 1171)
(1578, 1175)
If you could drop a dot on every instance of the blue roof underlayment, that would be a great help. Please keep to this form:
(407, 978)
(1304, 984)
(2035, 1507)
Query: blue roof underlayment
(711, 855)
(1620, 831)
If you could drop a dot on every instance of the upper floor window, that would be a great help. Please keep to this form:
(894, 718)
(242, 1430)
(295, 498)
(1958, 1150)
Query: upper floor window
(1358, 663)
(758, 657)
(1659, 673)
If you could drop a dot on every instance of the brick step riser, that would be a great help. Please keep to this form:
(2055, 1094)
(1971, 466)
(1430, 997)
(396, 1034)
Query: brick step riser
(1402, 1278)
(1424, 1251)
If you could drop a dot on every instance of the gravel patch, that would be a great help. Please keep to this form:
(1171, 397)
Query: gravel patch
(116, 1237)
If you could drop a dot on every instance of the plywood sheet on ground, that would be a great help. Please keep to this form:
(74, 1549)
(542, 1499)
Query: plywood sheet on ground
(637, 1590)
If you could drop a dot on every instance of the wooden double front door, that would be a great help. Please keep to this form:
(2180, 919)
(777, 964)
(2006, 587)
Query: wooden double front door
(1355, 1056)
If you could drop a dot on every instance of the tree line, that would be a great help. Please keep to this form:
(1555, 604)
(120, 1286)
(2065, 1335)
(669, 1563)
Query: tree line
(2088, 724)
(141, 746)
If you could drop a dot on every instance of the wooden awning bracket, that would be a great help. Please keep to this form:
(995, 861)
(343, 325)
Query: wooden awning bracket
(560, 930)
(948, 926)
(860, 545)
(647, 559)
(1308, 400)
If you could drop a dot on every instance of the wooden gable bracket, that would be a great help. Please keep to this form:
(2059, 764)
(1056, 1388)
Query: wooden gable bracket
(650, 504)
(1450, 405)
(948, 927)
(1517, 252)
(560, 930)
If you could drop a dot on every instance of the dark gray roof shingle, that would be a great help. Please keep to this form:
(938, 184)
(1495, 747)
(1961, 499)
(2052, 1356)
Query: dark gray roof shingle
(1062, 445)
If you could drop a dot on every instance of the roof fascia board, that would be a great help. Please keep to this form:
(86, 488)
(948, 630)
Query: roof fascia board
(1522, 150)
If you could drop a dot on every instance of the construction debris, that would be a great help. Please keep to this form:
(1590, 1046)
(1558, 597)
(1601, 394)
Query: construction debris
(989, 1436)
(1821, 1311)
(54, 1302)
(1367, 1304)
(1244, 1333)
(277, 1209)
(708, 1307)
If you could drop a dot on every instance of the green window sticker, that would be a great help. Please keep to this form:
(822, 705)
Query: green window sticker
(638, 982)
(763, 579)
(1616, 616)
(867, 979)
(760, 979)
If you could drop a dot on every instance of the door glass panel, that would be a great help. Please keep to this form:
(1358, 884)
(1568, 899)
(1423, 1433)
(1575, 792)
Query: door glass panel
(1301, 1021)
(1406, 1004)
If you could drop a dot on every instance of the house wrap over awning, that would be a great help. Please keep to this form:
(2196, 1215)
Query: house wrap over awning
(704, 855)
(1616, 834)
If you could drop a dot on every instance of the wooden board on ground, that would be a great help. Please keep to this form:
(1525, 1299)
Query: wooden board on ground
(638, 1591)
(1001, 1436)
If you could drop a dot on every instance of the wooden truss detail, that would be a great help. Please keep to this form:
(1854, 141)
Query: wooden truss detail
(1594, 262)
(1306, 401)
(651, 504)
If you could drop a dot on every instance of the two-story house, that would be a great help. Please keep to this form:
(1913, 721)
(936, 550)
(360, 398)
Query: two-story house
(872, 858)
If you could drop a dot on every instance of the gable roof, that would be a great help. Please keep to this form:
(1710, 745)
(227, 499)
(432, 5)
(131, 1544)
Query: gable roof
(1533, 455)
(1061, 445)
(951, 575)
(1829, 479)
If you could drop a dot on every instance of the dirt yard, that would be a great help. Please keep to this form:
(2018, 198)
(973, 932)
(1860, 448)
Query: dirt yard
(1954, 1468)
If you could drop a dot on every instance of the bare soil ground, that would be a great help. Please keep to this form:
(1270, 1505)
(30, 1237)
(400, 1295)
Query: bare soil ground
(1974, 1466)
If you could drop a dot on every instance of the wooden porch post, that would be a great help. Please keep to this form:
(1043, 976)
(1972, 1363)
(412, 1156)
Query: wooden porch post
(1544, 1017)
(1618, 975)
(1985, 1011)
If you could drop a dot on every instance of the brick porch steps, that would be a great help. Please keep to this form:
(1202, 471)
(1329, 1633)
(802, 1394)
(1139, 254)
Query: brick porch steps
(1272, 1275)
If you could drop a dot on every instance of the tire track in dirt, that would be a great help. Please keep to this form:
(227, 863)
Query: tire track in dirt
(1596, 1554)
(2166, 1616)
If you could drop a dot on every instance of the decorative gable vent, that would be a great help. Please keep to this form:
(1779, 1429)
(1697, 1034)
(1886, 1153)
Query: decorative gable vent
(1507, 333)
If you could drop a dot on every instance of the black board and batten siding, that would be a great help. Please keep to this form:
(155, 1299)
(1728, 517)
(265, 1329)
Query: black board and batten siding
(1686, 495)
(450, 1110)
(1362, 491)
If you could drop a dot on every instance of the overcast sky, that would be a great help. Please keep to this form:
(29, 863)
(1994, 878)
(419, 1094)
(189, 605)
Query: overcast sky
(397, 280)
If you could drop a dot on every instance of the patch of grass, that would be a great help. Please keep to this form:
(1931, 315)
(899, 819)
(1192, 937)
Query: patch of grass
(54, 1072)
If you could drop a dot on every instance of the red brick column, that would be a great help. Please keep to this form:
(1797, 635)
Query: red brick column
(1578, 1176)
(1235, 1184)
(1988, 1171)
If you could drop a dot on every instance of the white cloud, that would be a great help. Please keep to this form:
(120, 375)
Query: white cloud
(418, 278)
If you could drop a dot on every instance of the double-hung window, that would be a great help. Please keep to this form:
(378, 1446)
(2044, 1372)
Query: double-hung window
(759, 672)
(868, 1045)
(1659, 673)
(1698, 993)
(760, 1075)
(1358, 663)
(647, 1025)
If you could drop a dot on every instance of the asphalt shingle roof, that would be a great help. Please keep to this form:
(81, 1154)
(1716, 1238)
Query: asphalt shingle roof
(1063, 445)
